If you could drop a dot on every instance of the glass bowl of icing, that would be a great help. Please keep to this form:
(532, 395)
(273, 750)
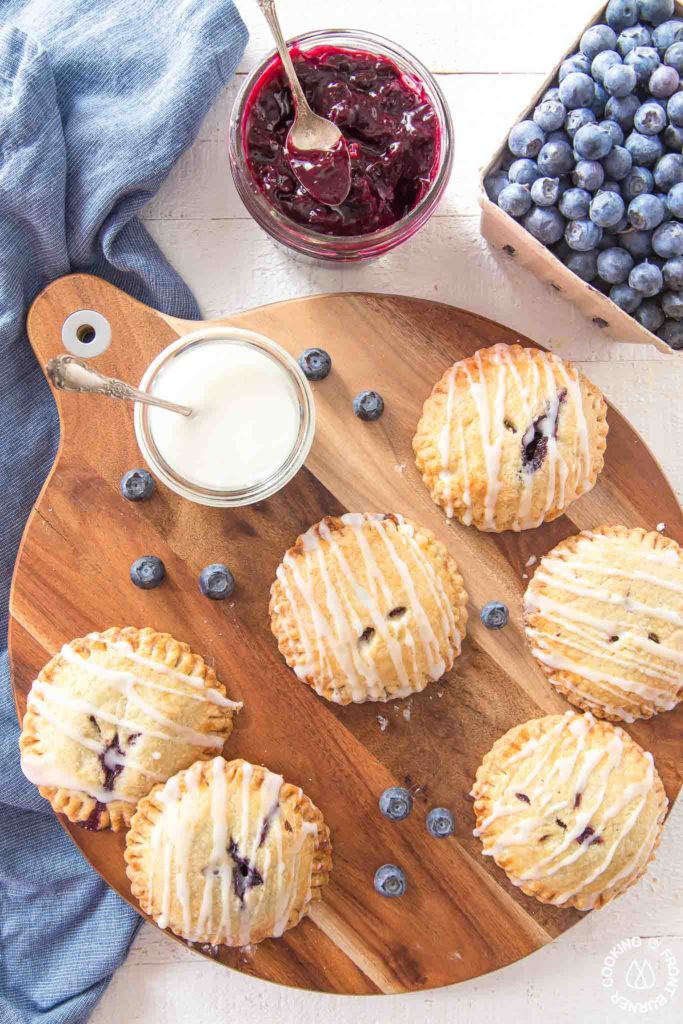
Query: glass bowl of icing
(252, 423)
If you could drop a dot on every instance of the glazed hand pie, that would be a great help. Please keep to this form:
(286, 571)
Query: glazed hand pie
(571, 808)
(368, 607)
(604, 614)
(227, 853)
(114, 713)
(510, 437)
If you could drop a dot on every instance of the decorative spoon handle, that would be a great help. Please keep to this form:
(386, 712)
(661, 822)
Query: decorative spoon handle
(71, 374)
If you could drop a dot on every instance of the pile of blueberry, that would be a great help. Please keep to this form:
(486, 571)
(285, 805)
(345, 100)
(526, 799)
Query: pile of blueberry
(596, 173)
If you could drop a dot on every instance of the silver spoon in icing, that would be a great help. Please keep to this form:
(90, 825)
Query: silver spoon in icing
(71, 374)
(315, 148)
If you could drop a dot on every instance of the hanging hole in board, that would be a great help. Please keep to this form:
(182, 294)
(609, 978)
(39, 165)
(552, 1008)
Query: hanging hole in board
(86, 333)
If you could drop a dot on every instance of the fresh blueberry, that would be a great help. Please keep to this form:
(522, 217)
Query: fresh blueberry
(671, 332)
(515, 200)
(602, 63)
(636, 182)
(574, 203)
(610, 186)
(638, 243)
(545, 191)
(557, 136)
(647, 279)
(615, 130)
(440, 823)
(390, 881)
(621, 14)
(646, 212)
(550, 115)
(316, 362)
(592, 142)
(577, 90)
(666, 34)
(494, 184)
(600, 97)
(396, 803)
(369, 405)
(675, 200)
(655, 11)
(618, 163)
(577, 119)
(606, 209)
(620, 80)
(137, 484)
(673, 138)
(649, 315)
(664, 199)
(672, 272)
(667, 240)
(631, 37)
(622, 109)
(588, 174)
(668, 171)
(625, 297)
(673, 57)
(551, 94)
(544, 223)
(664, 82)
(614, 265)
(577, 62)
(582, 235)
(216, 581)
(644, 149)
(674, 109)
(596, 39)
(495, 615)
(523, 172)
(584, 264)
(643, 60)
(650, 119)
(556, 159)
(672, 304)
(147, 572)
(526, 139)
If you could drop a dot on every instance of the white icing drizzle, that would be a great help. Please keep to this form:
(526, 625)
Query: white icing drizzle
(569, 769)
(331, 628)
(258, 840)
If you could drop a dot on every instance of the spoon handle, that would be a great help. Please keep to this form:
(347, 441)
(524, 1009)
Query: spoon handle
(270, 14)
(71, 374)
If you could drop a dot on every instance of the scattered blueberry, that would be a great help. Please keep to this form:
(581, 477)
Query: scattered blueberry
(614, 265)
(555, 159)
(588, 174)
(545, 224)
(650, 118)
(649, 315)
(577, 119)
(577, 90)
(672, 305)
(147, 572)
(647, 279)
(625, 297)
(523, 172)
(216, 581)
(643, 60)
(606, 209)
(631, 37)
(369, 405)
(646, 212)
(545, 191)
(664, 82)
(644, 149)
(592, 142)
(596, 39)
(526, 139)
(671, 332)
(137, 484)
(440, 823)
(316, 363)
(584, 264)
(672, 272)
(673, 57)
(621, 14)
(674, 109)
(550, 115)
(495, 615)
(515, 200)
(618, 163)
(390, 881)
(655, 11)
(396, 803)
(622, 109)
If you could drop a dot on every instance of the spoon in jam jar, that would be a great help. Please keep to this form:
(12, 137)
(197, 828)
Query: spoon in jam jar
(315, 148)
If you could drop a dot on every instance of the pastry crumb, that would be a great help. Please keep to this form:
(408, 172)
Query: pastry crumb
(661, 526)
(531, 560)
(400, 467)
(383, 722)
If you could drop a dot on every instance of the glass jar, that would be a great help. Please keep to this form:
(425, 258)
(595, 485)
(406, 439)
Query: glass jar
(337, 247)
(250, 492)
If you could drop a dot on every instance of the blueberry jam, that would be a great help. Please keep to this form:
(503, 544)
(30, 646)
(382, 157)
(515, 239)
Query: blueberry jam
(245, 876)
(535, 440)
(386, 118)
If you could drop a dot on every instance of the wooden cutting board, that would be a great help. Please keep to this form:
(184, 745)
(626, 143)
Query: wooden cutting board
(460, 917)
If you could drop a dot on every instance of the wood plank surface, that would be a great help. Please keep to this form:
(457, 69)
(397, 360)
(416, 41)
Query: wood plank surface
(460, 918)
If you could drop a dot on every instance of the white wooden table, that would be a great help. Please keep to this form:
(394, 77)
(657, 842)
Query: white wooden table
(490, 58)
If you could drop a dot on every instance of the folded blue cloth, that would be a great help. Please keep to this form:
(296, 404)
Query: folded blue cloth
(98, 98)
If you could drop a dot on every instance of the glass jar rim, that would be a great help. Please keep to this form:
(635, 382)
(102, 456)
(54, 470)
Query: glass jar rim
(300, 237)
(233, 497)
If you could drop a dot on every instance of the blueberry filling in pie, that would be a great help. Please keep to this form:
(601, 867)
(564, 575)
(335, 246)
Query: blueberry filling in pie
(245, 877)
(535, 440)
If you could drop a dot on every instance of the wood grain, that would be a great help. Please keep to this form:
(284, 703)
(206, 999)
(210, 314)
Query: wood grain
(460, 917)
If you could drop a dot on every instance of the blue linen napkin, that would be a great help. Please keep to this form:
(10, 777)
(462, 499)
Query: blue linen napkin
(98, 98)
